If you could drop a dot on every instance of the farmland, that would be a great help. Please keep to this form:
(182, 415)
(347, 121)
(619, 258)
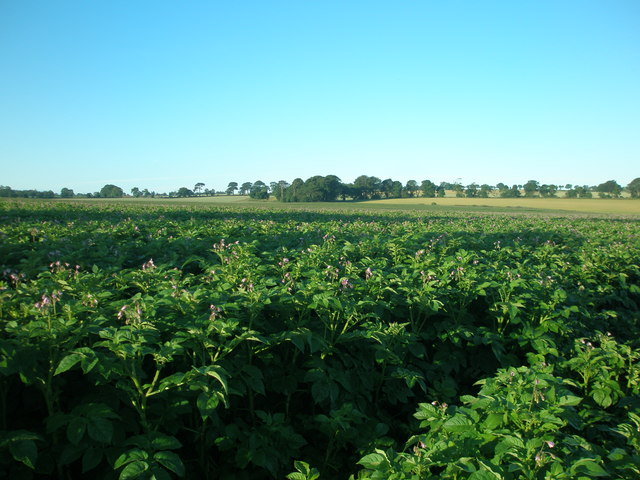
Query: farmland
(242, 340)
(562, 206)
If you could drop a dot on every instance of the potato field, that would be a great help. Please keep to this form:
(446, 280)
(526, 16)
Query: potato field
(218, 343)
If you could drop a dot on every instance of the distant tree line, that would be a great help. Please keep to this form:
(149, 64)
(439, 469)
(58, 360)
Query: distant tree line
(8, 192)
(330, 188)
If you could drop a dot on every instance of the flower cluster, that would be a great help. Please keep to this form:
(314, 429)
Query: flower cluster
(246, 285)
(130, 315)
(148, 265)
(215, 312)
(344, 283)
(283, 262)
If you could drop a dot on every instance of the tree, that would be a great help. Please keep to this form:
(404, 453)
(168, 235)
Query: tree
(319, 189)
(396, 189)
(634, 188)
(583, 192)
(111, 191)
(280, 189)
(184, 192)
(292, 193)
(458, 189)
(245, 188)
(485, 190)
(197, 188)
(313, 189)
(472, 190)
(411, 188)
(232, 187)
(333, 188)
(548, 190)
(259, 191)
(66, 193)
(513, 192)
(610, 188)
(530, 188)
(366, 187)
(135, 191)
(386, 187)
(429, 189)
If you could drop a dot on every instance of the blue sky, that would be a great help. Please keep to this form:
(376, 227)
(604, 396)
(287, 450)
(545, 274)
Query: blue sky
(164, 94)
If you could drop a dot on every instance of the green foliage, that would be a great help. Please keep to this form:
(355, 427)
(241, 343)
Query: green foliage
(111, 191)
(634, 188)
(184, 192)
(259, 191)
(531, 188)
(513, 192)
(66, 193)
(429, 189)
(610, 188)
(213, 343)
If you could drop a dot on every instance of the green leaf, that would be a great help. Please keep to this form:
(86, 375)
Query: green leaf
(70, 453)
(426, 411)
(298, 338)
(25, 451)
(130, 456)
(457, 423)
(493, 421)
(134, 470)
(602, 398)
(91, 459)
(569, 401)
(170, 461)
(159, 473)
(67, 363)
(165, 442)
(372, 461)
(296, 476)
(617, 454)
(253, 377)
(76, 429)
(509, 444)
(466, 464)
(100, 429)
(304, 472)
(213, 372)
(589, 467)
(482, 475)
(207, 403)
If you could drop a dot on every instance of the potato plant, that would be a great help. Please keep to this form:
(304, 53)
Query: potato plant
(177, 342)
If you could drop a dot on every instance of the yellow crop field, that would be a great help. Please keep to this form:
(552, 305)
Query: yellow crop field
(587, 205)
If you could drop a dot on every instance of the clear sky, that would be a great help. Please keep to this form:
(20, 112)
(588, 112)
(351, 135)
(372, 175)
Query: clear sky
(163, 94)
